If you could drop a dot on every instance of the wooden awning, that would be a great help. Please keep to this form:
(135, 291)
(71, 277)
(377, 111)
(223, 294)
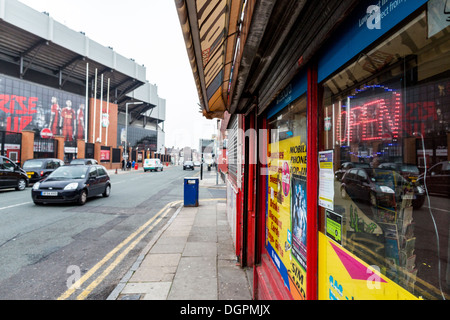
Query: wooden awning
(210, 30)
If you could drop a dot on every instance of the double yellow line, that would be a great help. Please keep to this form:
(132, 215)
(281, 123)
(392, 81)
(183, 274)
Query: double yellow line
(147, 227)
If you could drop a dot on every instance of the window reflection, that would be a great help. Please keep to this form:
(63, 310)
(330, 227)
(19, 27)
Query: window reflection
(386, 116)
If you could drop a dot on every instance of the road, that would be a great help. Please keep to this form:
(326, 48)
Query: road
(44, 250)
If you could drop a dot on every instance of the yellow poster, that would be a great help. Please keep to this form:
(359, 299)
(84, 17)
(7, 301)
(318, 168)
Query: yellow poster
(343, 276)
(286, 214)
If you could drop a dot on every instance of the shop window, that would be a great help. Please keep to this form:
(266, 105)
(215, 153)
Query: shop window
(385, 127)
(286, 210)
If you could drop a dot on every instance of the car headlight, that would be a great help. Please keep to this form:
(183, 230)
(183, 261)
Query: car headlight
(71, 186)
(36, 185)
(386, 189)
(420, 189)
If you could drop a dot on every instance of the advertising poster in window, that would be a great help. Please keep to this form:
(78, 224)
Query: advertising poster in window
(298, 210)
(105, 155)
(286, 216)
(346, 277)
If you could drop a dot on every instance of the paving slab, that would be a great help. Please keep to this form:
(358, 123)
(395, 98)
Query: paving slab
(192, 258)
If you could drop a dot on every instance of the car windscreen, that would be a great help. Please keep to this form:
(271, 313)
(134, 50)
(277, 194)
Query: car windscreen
(32, 164)
(361, 165)
(188, 163)
(386, 177)
(68, 173)
(77, 161)
(409, 169)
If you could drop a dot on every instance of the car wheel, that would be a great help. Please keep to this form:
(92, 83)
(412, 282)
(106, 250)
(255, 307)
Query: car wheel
(21, 185)
(38, 203)
(83, 197)
(418, 203)
(107, 191)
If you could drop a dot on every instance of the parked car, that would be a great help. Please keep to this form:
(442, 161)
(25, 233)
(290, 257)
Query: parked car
(153, 165)
(72, 184)
(411, 173)
(11, 175)
(83, 161)
(197, 163)
(380, 187)
(38, 169)
(188, 165)
(348, 165)
(438, 179)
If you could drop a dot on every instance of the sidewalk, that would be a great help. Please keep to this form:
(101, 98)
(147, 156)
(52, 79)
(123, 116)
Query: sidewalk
(191, 258)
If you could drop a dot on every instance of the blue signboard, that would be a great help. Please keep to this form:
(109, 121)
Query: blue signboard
(372, 19)
(293, 90)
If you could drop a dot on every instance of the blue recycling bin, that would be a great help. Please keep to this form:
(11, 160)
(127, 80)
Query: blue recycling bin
(191, 189)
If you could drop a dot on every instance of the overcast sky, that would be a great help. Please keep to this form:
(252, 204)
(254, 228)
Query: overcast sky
(149, 32)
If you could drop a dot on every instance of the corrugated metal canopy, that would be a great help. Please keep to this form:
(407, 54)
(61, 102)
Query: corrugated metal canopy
(243, 53)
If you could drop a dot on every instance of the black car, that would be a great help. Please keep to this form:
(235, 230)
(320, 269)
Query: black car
(437, 179)
(11, 175)
(348, 165)
(411, 173)
(38, 169)
(188, 165)
(72, 184)
(83, 161)
(380, 187)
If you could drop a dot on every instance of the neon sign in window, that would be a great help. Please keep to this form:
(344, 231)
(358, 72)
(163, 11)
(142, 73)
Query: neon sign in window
(370, 116)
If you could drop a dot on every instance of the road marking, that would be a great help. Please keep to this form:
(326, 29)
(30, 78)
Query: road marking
(15, 205)
(94, 269)
(83, 295)
(439, 209)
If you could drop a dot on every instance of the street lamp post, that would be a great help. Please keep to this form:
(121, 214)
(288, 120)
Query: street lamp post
(126, 121)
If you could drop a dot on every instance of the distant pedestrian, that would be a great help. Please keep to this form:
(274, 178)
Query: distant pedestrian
(133, 164)
(123, 164)
(128, 165)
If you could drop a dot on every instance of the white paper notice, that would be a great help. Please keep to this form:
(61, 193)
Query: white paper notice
(326, 179)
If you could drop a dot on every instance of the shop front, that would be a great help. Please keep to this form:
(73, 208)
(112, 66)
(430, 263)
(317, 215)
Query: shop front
(384, 191)
(350, 195)
(354, 191)
(283, 185)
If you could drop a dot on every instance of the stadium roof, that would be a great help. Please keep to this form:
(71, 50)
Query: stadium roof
(32, 43)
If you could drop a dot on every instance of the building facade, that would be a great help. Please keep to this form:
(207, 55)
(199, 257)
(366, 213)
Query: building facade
(337, 144)
(62, 94)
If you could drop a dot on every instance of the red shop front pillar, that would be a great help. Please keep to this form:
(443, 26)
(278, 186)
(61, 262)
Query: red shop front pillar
(312, 186)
